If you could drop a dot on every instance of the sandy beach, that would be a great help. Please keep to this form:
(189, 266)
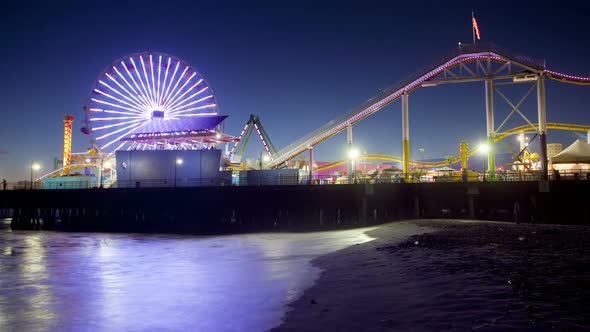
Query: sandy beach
(453, 276)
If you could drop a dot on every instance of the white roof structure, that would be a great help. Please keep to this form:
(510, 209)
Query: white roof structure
(577, 153)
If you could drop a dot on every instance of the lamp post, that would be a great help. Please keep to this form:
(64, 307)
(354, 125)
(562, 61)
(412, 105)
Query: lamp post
(484, 149)
(421, 150)
(352, 155)
(34, 167)
(178, 162)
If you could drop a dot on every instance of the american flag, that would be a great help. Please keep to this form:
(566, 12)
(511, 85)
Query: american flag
(475, 27)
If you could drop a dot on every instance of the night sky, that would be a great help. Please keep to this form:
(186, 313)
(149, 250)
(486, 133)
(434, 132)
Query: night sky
(296, 64)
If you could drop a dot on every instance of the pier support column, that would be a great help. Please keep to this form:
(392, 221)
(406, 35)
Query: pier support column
(542, 117)
(349, 148)
(490, 126)
(406, 136)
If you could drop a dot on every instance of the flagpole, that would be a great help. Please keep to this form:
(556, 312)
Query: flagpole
(472, 29)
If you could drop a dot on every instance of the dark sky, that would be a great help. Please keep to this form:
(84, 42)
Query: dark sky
(297, 64)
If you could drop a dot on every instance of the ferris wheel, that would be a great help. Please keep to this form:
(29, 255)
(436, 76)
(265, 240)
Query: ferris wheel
(145, 93)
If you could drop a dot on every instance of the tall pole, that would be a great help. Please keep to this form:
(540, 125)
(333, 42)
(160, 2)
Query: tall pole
(310, 164)
(32, 163)
(349, 143)
(542, 117)
(406, 136)
(101, 170)
(490, 125)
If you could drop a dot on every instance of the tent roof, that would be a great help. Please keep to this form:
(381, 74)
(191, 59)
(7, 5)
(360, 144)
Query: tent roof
(577, 153)
(444, 169)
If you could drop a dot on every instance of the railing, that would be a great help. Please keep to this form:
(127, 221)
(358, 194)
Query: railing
(273, 180)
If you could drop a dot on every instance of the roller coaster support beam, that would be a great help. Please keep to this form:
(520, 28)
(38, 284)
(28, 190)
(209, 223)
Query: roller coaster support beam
(310, 164)
(406, 136)
(349, 142)
(490, 125)
(542, 124)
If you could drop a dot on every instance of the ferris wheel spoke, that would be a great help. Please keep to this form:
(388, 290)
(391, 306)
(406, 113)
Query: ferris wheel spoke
(99, 110)
(153, 80)
(175, 102)
(170, 83)
(182, 104)
(175, 86)
(135, 127)
(159, 70)
(147, 81)
(136, 108)
(111, 104)
(178, 91)
(164, 83)
(133, 95)
(120, 146)
(118, 118)
(120, 130)
(117, 124)
(127, 98)
(181, 110)
(145, 98)
(123, 77)
(197, 108)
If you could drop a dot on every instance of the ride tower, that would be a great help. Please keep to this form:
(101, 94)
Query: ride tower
(68, 120)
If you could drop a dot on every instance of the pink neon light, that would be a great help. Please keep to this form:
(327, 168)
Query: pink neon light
(571, 77)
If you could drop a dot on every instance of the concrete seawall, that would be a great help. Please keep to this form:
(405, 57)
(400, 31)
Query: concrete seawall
(263, 208)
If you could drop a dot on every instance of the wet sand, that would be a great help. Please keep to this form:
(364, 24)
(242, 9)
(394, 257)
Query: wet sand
(455, 276)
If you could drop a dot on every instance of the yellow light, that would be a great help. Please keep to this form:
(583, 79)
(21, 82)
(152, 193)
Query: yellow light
(36, 167)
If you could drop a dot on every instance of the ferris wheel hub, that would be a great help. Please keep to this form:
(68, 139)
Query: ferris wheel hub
(156, 114)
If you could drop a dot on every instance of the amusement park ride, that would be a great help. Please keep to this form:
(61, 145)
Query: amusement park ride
(152, 101)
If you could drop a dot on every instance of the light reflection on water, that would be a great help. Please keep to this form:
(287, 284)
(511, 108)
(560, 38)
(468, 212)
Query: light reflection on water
(132, 282)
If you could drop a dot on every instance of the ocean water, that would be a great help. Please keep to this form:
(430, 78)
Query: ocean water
(51, 281)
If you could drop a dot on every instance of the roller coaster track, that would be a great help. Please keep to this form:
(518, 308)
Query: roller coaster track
(499, 137)
(481, 55)
(65, 170)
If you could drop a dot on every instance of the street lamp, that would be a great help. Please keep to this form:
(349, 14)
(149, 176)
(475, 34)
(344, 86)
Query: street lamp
(178, 162)
(484, 149)
(34, 167)
(353, 154)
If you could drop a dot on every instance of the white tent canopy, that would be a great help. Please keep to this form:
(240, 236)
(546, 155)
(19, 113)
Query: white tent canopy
(577, 153)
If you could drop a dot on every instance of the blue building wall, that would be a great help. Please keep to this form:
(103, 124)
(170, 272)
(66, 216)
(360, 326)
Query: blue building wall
(160, 168)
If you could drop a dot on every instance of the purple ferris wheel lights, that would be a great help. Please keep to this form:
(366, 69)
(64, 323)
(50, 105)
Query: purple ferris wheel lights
(144, 88)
